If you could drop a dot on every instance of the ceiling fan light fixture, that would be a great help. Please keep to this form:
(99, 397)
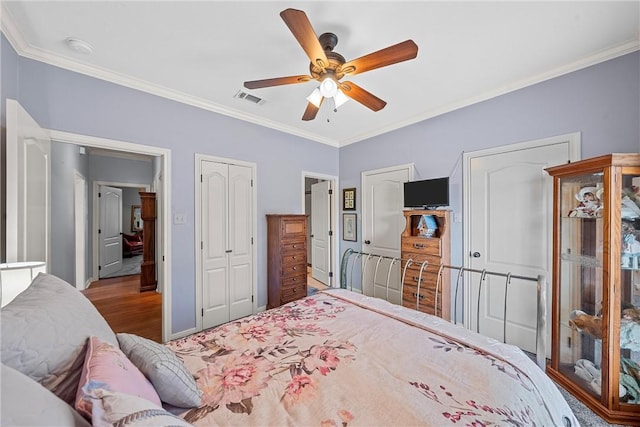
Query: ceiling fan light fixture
(339, 98)
(328, 87)
(315, 98)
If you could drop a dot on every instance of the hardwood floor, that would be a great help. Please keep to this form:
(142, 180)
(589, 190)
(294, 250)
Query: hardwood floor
(125, 308)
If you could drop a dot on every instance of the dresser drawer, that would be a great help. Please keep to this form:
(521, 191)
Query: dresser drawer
(293, 245)
(294, 280)
(429, 277)
(433, 262)
(293, 227)
(294, 257)
(294, 268)
(293, 293)
(427, 299)
(431, 246)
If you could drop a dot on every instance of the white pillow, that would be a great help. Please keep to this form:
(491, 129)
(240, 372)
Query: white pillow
(45, 331)
(173, 382)
(26, 403)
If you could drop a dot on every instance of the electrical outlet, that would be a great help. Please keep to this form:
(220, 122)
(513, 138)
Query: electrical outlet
(179, 218)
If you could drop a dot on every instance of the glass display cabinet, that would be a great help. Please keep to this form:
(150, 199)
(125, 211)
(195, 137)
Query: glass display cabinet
(595, 324)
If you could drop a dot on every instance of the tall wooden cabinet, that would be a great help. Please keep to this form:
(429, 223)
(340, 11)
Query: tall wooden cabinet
(286, 258)
(148, 268)
(419, 290)
(595, 317)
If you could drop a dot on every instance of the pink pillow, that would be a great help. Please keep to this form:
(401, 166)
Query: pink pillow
(107, 368)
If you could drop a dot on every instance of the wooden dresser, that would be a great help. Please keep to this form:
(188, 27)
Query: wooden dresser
(435, 250)
(286, 258)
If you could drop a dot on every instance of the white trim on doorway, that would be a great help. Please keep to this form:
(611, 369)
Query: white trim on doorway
(335, 217)
(164, 227)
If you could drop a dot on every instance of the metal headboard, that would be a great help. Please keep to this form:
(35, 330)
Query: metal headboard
(350, 259)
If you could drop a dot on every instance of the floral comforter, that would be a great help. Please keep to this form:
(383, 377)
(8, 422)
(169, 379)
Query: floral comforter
(342, 359)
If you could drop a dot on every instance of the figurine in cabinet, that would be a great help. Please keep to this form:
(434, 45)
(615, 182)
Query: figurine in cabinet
(589, 206)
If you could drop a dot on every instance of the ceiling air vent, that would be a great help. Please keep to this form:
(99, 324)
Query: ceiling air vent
(249, 98)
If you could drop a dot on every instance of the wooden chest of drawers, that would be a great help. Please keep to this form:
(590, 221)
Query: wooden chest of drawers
(435, 250)
(286, 258)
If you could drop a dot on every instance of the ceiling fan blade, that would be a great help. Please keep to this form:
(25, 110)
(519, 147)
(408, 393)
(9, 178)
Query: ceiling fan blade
(302, 30)
(360, 95)
(381, 58)
(311, 111)
(257, 84)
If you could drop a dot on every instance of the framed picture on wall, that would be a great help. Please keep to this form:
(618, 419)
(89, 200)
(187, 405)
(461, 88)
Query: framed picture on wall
(349, 227)
(136, 218)
(349, 199)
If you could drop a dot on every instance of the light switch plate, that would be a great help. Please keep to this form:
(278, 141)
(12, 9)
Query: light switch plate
(179, 218)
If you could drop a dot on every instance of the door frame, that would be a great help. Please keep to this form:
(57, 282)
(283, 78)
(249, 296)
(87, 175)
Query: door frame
(95, 250)
(80, 205)
(334, 255)
(198, 229)
(163, 247)
(574, 154)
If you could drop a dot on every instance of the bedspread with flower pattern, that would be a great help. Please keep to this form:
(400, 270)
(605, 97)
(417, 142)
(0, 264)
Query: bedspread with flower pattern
(340, 359)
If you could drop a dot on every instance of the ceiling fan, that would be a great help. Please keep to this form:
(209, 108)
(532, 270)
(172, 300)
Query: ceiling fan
(329, 67)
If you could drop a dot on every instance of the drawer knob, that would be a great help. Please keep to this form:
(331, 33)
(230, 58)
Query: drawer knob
(294, 279)
(294, 246)
(418, 245)
(294, 257)
(416, 278)
(417, 296)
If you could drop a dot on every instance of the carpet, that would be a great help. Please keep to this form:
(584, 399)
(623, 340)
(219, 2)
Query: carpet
(129, 266)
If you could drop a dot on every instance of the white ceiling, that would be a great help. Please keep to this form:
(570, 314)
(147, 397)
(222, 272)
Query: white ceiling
(201, 52)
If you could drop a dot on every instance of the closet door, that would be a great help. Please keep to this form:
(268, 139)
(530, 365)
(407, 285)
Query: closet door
(227, 255)
(240, 244)
(215, 272)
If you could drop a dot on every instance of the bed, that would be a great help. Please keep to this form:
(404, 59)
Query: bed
(341, 358)
(334, 358)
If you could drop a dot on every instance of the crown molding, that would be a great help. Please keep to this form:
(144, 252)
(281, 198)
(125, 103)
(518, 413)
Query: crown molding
(605, 55)
(23, 49)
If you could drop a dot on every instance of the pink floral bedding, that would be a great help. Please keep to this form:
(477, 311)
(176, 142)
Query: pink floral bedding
(341, 359)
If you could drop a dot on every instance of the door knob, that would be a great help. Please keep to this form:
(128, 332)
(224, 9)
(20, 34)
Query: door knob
(367, 242)
(311, 236)
(476, 254)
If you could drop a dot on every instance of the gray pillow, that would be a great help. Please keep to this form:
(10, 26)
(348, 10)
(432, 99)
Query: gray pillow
(44, 334)
(26, 403)
(173, 382)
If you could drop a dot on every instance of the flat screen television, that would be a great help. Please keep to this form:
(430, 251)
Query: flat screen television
(428, 193)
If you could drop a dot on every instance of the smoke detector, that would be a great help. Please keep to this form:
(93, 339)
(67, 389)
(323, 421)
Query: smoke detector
(79, 46)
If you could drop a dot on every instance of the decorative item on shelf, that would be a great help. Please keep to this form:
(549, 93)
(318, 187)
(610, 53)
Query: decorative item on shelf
(427, 226)
(349, 227)
(349, 199)
(630, 254)
(590, 205)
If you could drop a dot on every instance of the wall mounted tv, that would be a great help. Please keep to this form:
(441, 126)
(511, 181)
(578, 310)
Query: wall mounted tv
(428, 193)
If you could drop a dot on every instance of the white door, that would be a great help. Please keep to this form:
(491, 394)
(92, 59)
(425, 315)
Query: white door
(320, 229)
(110, 231)
(240, 246)
(382, 225)
(226, 232)
(28, 187)
(510, 224)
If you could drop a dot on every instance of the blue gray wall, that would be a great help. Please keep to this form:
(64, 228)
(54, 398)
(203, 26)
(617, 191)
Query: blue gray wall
(67, 101)
(601, 102)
